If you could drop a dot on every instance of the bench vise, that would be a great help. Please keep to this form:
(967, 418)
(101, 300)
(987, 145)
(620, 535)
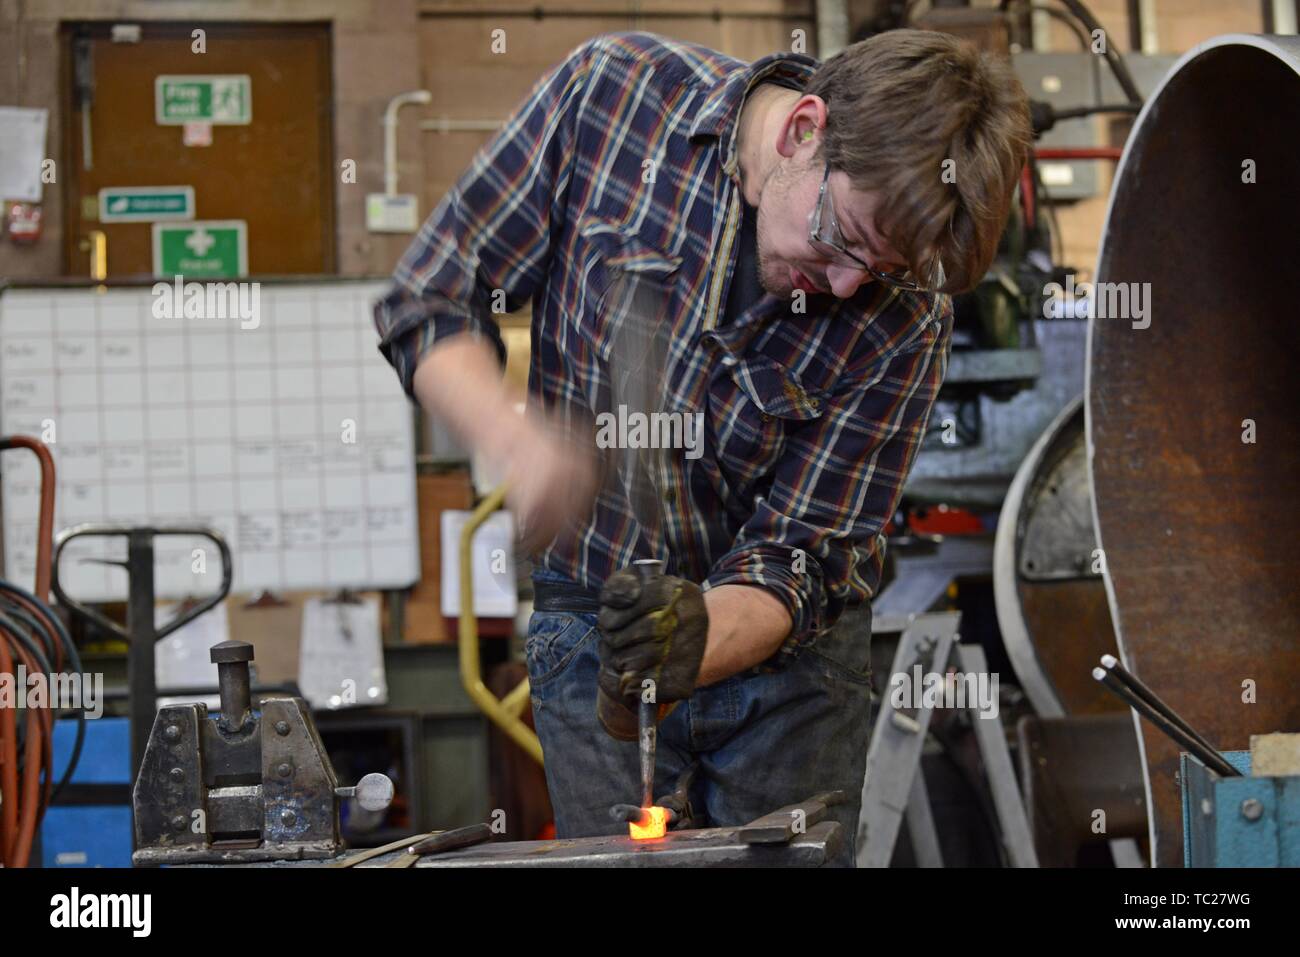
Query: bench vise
(242, 785)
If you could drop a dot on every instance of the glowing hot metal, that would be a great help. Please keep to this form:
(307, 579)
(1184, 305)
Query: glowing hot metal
(653, 824)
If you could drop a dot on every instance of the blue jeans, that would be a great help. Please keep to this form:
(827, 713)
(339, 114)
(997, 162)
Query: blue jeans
(762, 740)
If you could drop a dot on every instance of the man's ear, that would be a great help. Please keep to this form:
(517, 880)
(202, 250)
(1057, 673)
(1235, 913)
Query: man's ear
(802, 125)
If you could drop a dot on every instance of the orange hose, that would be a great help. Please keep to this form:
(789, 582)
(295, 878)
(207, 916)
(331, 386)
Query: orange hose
(23, 804)
(23, 807)
(8, 767)
(37, 718)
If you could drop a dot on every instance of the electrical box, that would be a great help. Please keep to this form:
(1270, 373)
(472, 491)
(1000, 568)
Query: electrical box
(398, 213)
(1066, 81)
(1147, 71)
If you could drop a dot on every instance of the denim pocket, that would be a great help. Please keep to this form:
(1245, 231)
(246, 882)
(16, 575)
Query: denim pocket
(554, 639)
(845, 650)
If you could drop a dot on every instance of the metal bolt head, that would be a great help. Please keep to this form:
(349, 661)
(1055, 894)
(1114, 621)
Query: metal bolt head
(231, 652)
(172, 732)
(284, 770)
(282, 728)
(177, 774)
(1252, 809)
(288, 818)
(178, 822)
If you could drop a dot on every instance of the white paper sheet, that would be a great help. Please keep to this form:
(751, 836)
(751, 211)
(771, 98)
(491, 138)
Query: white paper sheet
(341, 662)
(496, 594)
(22, 151)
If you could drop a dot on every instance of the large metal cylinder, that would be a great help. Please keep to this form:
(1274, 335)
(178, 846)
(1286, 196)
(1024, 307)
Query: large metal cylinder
(1192, 412)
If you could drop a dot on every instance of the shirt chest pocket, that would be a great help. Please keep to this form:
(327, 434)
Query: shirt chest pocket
(622, 273)
(756, 407)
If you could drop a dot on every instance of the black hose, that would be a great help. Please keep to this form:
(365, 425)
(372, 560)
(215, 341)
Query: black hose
(1091, 25)
(1079, 111)
(53, 630)
(1117, 65)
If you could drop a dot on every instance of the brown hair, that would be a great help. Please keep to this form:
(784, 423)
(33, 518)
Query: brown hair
(899, 105)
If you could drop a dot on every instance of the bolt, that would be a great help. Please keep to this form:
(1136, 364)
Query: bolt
(172, 732)
(177, 774)
(288, 818)
(284, 770)
(1207, 806)
(178, 822)
(1252, 809)
(231, 652)
(282, 728)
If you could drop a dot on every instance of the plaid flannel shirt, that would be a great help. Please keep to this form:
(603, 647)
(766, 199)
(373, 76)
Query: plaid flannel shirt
(621, 160)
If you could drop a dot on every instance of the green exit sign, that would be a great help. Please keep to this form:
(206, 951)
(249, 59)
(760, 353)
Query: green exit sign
(193, 98)
(144, 204)
(215, 249)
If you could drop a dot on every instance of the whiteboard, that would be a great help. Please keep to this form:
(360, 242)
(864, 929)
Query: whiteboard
(289, 434)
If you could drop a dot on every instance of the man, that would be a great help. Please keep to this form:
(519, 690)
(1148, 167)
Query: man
(802, 227)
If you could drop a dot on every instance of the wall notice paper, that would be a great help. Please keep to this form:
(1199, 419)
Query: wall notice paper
(183, 659)
(22, 151)
(286, 431)
(341, 661)
(496, 593)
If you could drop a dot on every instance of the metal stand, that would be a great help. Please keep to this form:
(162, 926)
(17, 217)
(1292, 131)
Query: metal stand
(923, 570)
(140, 632)
(894, 787)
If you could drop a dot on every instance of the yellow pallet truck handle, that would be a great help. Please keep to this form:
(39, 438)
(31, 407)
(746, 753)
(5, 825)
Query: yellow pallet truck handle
(503, 712)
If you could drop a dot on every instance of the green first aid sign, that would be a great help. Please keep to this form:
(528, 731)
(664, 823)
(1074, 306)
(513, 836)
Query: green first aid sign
(193, 98)
(216, 249)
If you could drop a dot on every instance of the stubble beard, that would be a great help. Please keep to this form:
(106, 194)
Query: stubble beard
(772, 276)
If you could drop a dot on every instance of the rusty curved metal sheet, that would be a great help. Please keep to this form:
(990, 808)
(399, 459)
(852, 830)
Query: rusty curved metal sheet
(1199, 525)
(1051, 606)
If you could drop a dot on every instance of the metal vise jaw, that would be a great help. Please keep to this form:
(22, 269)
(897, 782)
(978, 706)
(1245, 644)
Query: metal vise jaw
(243, 785)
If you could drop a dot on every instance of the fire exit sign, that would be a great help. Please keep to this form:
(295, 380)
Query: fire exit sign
(215, 249)
(190, 98)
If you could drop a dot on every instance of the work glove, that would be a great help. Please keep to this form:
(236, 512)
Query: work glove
(652, 626)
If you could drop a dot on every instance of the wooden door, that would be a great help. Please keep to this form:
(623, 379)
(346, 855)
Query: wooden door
(275, 173)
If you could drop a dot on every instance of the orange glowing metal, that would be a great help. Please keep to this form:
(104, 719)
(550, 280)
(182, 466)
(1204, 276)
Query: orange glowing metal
(653, 823)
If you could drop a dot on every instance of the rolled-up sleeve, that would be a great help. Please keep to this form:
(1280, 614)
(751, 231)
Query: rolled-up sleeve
(837, 484)
(484, 250)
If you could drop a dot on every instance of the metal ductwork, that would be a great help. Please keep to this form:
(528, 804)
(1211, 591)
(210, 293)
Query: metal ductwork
(1193, 423)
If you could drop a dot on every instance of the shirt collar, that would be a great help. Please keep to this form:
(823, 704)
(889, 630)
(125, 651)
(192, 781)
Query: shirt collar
(718, 115)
